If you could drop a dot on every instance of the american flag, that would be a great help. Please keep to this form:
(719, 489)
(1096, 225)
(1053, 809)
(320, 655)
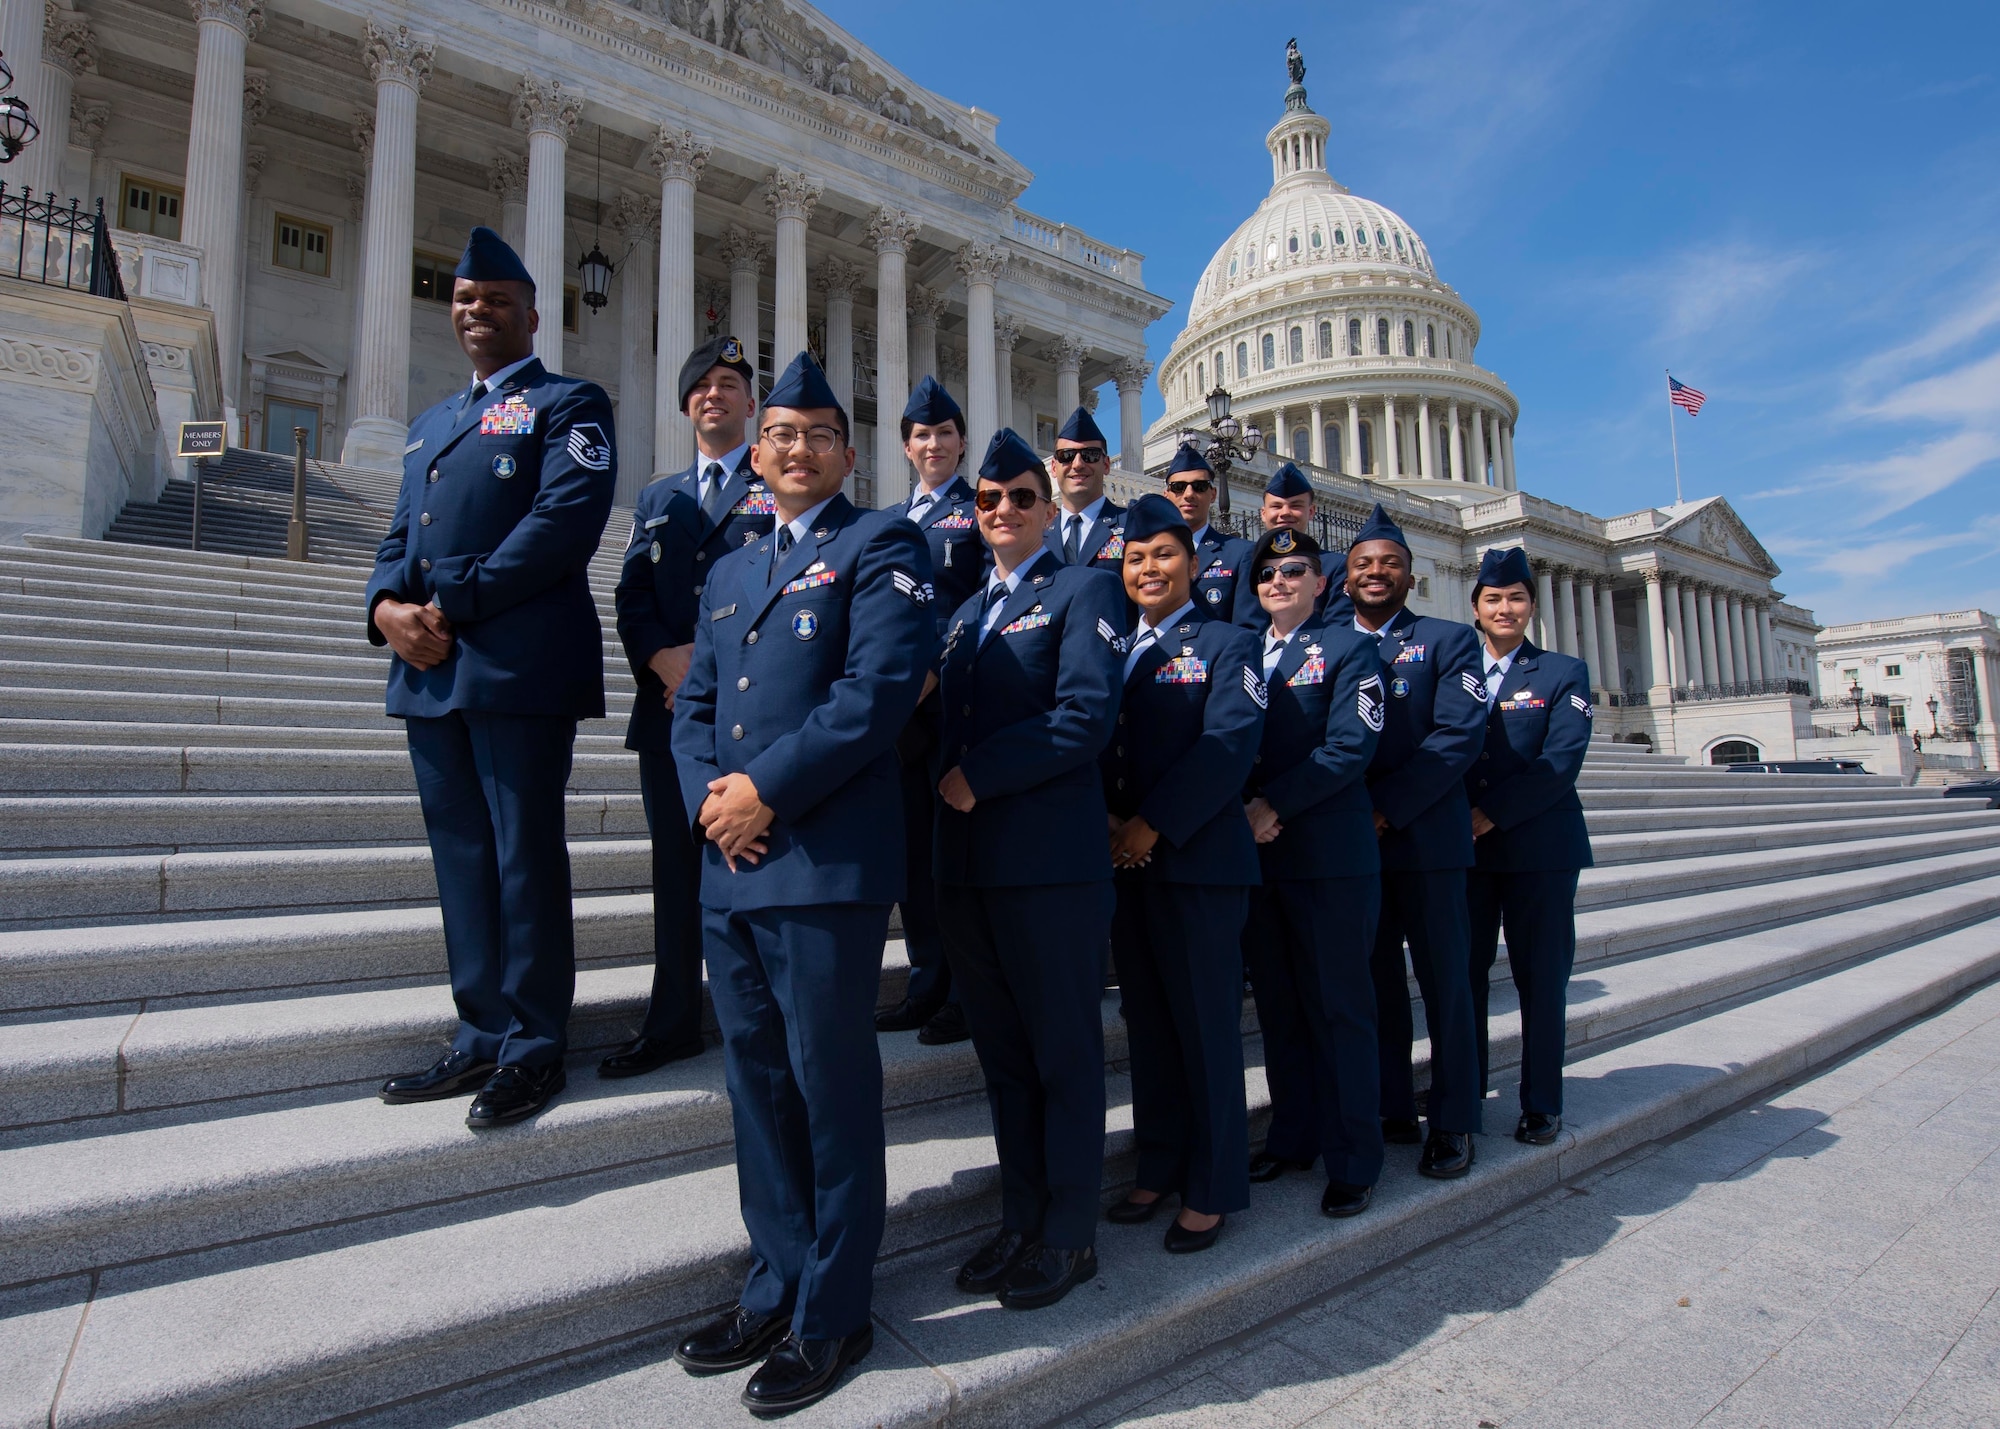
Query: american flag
(1685, 397)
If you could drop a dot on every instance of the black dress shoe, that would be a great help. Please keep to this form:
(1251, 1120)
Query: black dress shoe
(741, 1337)
(1129, 1212)
(906, 1016)
(1266, 1167)
(801, 1372)
(1182, 1241)
(513, 1093)
(1537, 1128)
(453, 1073)
(648, 1054)
(1046, 1276)
(1401, 1131)
(988, 1268)
(947, 1025)
(1340, 1199)
(1447, 1155)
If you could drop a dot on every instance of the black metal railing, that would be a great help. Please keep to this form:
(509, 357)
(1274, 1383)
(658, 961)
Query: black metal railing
(1846, 702)
(1627, 699)
(43, 242)
(1742, 691)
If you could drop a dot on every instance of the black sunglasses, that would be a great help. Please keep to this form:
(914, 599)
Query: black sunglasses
(1200, 486)
(1023, 498)
(1065, 455)
(1290, 570)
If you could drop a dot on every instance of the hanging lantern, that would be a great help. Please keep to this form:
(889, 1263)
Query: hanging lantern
(17, 127)
(595, 271)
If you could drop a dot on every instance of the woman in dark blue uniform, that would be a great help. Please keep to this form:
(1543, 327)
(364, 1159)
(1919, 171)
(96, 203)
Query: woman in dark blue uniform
(1529, 835)
(1189, 723)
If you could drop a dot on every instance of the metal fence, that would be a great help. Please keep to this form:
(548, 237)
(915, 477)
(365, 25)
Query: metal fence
(41, 241)
(1744, 690)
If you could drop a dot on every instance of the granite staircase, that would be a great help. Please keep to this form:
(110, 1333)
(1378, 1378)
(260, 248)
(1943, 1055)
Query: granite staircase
(218, 932)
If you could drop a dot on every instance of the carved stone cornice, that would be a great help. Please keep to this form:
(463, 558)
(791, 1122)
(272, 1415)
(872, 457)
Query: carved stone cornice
(1006, 332)
(1066, 351)
(839, 277)
(980, 262)
(398, 56)
(256, 97)
(47, 361)
(509, 179)
(677, 154)
(244, 15)
(925, 304)
(637, 218)
(67, 41)
(743, 251)
(893, 231)
(1130, 373)
(544, 106)
(362, 132)
(789, 193)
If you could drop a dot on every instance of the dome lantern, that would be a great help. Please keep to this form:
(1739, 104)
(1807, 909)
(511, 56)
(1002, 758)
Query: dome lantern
(1298, 141)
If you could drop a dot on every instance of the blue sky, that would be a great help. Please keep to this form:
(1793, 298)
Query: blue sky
(1794, 206)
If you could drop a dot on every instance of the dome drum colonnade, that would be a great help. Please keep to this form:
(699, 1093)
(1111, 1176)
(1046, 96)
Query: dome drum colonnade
(958, 213)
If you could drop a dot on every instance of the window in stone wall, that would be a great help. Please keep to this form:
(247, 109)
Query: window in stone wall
(1892, 670)
(147, 207)
(1242, 359)
(301, 246)
(1340, 237)
(1423, 587)
(572, 302)
(431, 277)
(1430, 340)
(1382, 336)
(1270, 351)
(1302, 444)
(1318, 241)
(1326, 339)
(1409, 339)
(1296, 346)
(1354, 337)
(1292, 243)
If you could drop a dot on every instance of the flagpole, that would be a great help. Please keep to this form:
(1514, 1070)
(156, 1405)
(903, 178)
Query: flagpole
(1673, 436)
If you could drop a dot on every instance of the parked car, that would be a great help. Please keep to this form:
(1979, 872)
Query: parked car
(1987, 789)
(1800, 766)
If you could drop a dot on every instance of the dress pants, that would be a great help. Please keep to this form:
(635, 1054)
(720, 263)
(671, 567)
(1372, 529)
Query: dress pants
(491, 787)
(1180, 967)
(923, 939)
(674, 1012)
(1538, 910)
(1028, 966)
(1428, 907)
(1308, 946)
(794, 992)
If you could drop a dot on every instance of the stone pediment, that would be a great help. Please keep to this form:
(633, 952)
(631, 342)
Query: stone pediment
(299, 359)
(1713, 527)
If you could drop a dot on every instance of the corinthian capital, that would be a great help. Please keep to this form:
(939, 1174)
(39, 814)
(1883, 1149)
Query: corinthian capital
(509, 179)
(397, 56)
(788, 193)
(925, 303)
(1066, 352)
(256, 97)
(244, 15)
(743, 251)
(67, 41)
(893, 231)
(543, 106)
(637, 218)
(1006, 332)
(677, 154)
(1130, 373)
(837, 276)
(980, 262)
(363, 133)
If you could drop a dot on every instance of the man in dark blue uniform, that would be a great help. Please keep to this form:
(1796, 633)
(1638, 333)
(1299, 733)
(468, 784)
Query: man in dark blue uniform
(811, 649)
(1289, 504)
(1528, 829)
(1188, 728)
(934, 443)
(482, 590)
(1431, 736)
(1220, 588)
(1089, 526)
(1312, 924)
(1030, 681)
(719, 394)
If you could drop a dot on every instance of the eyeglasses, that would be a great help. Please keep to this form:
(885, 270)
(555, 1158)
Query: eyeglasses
(1200, 486)
(1022, 498)
(819, 440)
(1065, 455)
(1290, 570)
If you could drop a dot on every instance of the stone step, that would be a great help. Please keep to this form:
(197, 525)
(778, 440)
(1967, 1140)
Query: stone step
(1754, 794)
(1613, 849)
(308, 1326)
(157, 665)
(105, 556)
(200, 769)
(31, 702)
(58, 623)
(1597, 774)
(1722, 814)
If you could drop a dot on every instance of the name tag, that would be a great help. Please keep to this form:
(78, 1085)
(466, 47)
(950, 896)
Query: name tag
(656, 521)
(722, 612)
(757, 501)
(809, 582)
(1031, 621)
(413, 446)
(1313, 672)
(511, 418)
(1183, 670)
(1409, 655)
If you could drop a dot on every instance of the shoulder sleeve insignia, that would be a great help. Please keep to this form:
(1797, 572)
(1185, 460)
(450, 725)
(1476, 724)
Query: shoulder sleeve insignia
(1369, 703)
(1106, 633)
(1474, 686)
(588, 446)
(1254, 687)
(1582, 705)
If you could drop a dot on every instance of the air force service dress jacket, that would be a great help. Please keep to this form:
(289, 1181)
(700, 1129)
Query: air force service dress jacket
(751, 512)
(1103, 543)
(1223, 582)
(1327, 698)
(656, 601)
(1537, 732)
(959, 558)
(503, 502)
(1432, 732)
(1026, 715)
(803, 676)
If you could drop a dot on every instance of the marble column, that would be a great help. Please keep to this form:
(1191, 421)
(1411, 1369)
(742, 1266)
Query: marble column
(892, 232)
(1725, 649)
(68, 49)
(637, 221)
(1545, 609)
(838, 280)
(1711, 673)
(548, 111)
(1677, 645)
(1739, 648)
(378, 384)
(925, 306)
(509, 183)
(212, 210)
(1607, 633)
(1753, 641)
(1319, 452)
(1774, 668)
(1477, 474)
(1587, 650)
(1691, 673)
(1659, 691)
(1130, 373)
(1353, 442)
(1566, 637)
(1426, 439)
(1506, 440)
(1067, 352)
(1458, 471)
(746, 253)
(791, 196)
(23, 23)
(1392, 441)
(678, 158)
(1275, 439)
(980, 264)
(1006, 333)
(362, 132)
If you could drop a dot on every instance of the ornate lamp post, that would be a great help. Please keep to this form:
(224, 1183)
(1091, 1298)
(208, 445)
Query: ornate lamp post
(17, 126)
(1931, 704)
(1857, 694)
(1229, 441)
